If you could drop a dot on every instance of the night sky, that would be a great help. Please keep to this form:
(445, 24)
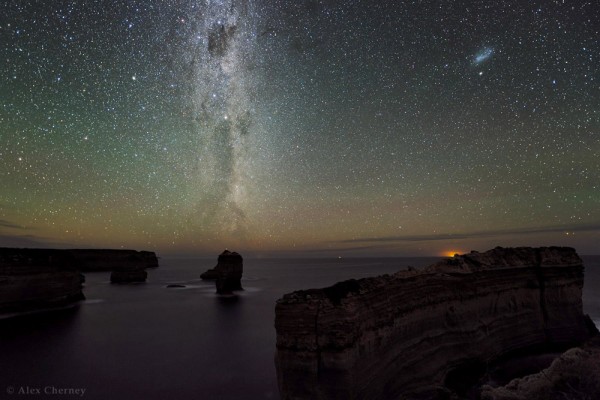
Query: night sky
(315, 128)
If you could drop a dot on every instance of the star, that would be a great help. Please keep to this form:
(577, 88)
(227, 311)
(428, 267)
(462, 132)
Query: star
(267, 124)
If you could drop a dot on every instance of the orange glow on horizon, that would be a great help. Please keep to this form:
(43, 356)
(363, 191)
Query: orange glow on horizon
(451, 253)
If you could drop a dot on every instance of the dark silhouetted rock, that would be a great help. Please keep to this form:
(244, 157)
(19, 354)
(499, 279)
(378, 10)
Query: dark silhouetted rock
(228, 272)
(130, 269)
(210, 274)
(34, 279)
(89, 260)
(409, 334)
(575, 375)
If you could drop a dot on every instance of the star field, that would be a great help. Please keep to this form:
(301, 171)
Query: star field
(309, 127)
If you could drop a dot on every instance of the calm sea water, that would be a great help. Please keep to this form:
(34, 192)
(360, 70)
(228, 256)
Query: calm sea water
(151, 342)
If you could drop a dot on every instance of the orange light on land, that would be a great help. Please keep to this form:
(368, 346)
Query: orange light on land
(451, 253)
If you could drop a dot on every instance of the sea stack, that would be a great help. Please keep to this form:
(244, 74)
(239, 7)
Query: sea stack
(130, 269)
(227, 272)
(416, 333)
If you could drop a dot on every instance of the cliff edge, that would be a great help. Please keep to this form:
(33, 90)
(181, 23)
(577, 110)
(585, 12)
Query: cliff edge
(32, 279)
(409, 334)
(89, 260)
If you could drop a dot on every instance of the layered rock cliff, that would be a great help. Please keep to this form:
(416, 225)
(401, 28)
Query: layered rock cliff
(573, 375)
(42, 278)
(33, 279)
(407, 335)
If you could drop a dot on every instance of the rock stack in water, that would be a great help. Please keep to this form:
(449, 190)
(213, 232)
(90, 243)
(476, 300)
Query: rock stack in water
(415, 333)
(131, 269)
(227, 272)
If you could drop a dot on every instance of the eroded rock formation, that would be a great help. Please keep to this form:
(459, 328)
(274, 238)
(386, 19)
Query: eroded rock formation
(404, 335)
(33, 279)
(210, 274)
(573, 375)
(43, 278)
(227, 272)
(110, 260)
(127, 267)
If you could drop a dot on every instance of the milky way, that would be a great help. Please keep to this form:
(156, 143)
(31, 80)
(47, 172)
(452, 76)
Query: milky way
(299, 127)
(222, 47)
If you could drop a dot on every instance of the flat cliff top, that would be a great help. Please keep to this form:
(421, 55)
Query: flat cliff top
(511, 257)
(22, 261)
(496, 259)
(28, 260)
(12, 252)
(108, 251)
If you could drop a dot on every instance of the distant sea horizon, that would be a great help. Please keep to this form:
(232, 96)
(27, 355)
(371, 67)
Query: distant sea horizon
(309, 257)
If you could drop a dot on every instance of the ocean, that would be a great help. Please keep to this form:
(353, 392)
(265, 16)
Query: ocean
(147, 341)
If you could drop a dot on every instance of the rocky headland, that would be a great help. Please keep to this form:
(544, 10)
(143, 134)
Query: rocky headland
(89, 260)
(421, 333)
(227, 273)
(33, 279)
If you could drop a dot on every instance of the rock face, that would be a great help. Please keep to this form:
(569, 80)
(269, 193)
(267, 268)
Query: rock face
(127, 267)
(573, 375)
(210, 274)
(89, 260)
(227, 272)
(39, 278)
(407, 335)
(32, 279)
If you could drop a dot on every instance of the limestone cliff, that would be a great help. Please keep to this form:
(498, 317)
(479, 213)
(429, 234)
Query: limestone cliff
(573, 375)
(405, 335)
(41, 278)
(32, 279)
